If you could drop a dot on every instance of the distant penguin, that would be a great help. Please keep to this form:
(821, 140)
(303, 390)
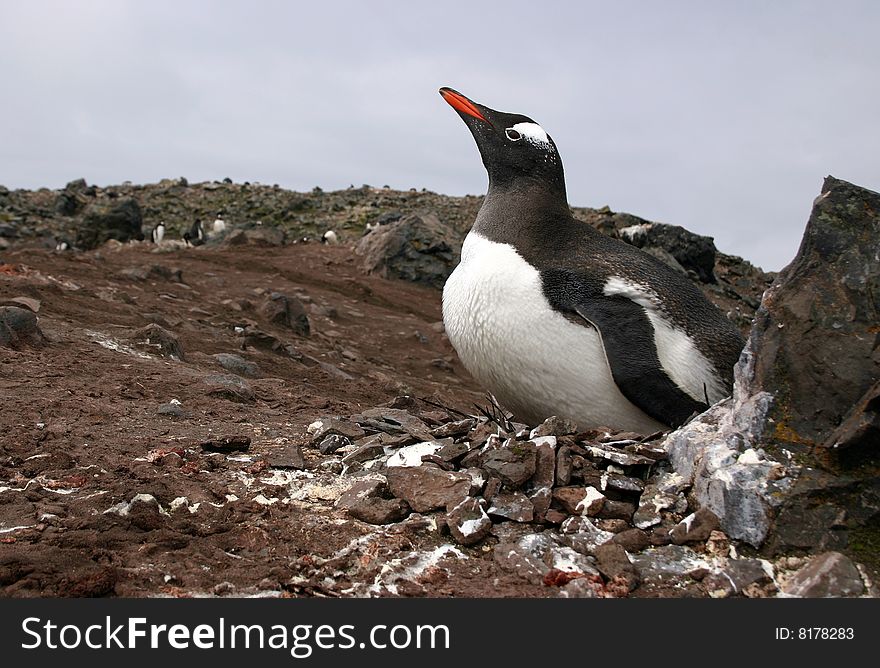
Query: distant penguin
(369, 227)
(63, 245)
(158, 233)
(329, 237)
(196, 235)
(219, 225)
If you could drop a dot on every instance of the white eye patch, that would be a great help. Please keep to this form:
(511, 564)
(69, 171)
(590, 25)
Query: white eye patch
(534, 134)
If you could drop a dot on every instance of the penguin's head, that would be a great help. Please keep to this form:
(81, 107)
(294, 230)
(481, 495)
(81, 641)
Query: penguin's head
(513, 146)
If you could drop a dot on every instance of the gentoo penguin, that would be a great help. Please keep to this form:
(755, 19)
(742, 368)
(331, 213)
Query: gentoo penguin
(555, 318)
(329, 237)
(196, 235)
(219, 225)
(158, 232)
(63, 245)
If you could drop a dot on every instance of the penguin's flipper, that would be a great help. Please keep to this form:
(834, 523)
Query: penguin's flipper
(628, 339)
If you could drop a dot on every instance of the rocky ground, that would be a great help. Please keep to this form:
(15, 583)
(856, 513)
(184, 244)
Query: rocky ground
(263, 418)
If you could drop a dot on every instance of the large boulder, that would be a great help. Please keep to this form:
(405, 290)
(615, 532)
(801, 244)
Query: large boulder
(791, 460)
(120, 220)
(676, 246)
(417, 248)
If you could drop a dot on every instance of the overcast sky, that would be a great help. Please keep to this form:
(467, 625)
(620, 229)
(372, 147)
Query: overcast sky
(721, 117)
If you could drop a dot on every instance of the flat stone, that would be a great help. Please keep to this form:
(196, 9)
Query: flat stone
(513, 464)
(617, 456)
(525, 557)
(480, 434)
(237, 364)
(454, 429)
(554, 426)
(394, 421)
(695, 527)
(288, 456)
(374, 510)
(427, 488)
(620, 483)
(579, 500)
(613, 525)
(744, 573)
(620, 510)
(362, 488)
(453, 451)
(230, 387)
(632, 540)
(227, 444)
(364, 453)
(514, 506)
(467, 521)
(668, 565)
(828, 575)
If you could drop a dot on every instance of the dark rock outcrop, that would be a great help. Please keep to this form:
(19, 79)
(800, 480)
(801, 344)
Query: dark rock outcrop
(773, 463)
(417, 248)
(120, 220)
(676, 246)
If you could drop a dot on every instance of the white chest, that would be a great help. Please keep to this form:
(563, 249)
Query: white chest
(533, 359)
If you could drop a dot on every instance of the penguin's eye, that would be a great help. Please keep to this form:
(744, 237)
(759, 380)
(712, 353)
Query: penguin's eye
(512, 134)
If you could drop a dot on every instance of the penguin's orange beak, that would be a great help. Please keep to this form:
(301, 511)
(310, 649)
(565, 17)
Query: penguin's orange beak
(460, 103)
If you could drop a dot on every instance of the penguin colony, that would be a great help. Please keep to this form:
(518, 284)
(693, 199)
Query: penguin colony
(555, 318)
